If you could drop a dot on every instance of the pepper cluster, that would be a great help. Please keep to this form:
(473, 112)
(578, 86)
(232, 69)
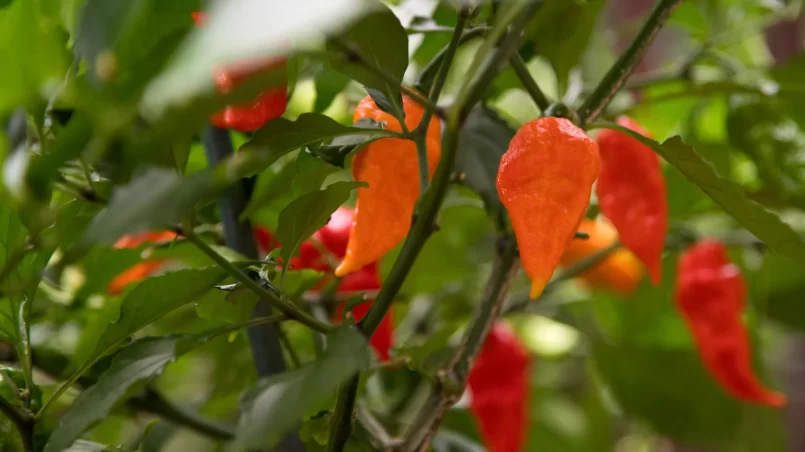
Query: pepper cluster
(545, 181)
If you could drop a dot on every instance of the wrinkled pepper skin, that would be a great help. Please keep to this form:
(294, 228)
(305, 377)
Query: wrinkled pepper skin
(268, 105)
(620, 272)
(545, 180)
(498, 384)
(334, 236)
(632, 194)
(710, 295)
(390, 166)
(140, 270)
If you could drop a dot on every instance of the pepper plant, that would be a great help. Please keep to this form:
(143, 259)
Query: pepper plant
(254, 225)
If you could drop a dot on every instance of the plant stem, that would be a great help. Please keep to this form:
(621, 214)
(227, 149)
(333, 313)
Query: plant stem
(341, 423)
(425, 78)
(530, 85)
(627, 62)
(23, 422)
(453, 377)
(421, 132)
(155, 403)
(284, 306)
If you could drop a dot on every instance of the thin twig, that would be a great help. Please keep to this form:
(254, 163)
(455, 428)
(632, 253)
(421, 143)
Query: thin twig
(284, 306)
(453, 378)
(530, 85)
(627, 62)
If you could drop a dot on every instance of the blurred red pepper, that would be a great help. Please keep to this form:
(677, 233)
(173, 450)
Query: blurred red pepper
(499, 389)
(268, 105)
(334, 237)
(140, 270)
(632, 194)
(711, 294)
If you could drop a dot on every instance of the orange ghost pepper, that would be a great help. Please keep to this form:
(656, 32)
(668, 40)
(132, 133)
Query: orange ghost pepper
(545, 180)
(268, 105)
(710, 295)
(390, 166)
(632, 194)
(140, 270)
(498, 384)
(620, 272)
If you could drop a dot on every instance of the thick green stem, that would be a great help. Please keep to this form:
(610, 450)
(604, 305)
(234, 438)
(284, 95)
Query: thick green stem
(341, 423)
(426, 77)
(627, 62)
(530, 85)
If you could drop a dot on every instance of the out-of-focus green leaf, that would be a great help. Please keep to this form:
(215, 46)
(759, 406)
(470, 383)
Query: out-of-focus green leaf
(329, 84)
(774, 141)
(156, 199)
(129, 371)
(38, 64)
(380, 39)
(669, 389)
(777, 289)
(561, 32)
(238, 31)
(276, 404)
(102, 265)
(234, 306)
(308, 214)
(483, 140)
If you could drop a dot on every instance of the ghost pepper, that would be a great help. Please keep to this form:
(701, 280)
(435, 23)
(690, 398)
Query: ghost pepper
(390, 166)
(619, 272)
(498, 384)
(268, 105)
(710, 295)
(545, 180)
(632, 194)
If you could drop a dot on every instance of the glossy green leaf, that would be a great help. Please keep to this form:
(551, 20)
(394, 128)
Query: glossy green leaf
(308, 214)
(275, 405)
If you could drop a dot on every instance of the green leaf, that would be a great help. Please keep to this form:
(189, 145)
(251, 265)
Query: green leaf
(381, 40)
(281, 136)
(235, 306)
(561, 32)
(483, 141)
(336, 152)
(152, 299)
(329, 84)
(29, 68)
(773, 140)
(670, 390)
(776, 289)
(299, 281)
(130, 370)
(157, 199)
(296, 177)
(275, 405)
(308, 214)
(765, 225)
(102, 265)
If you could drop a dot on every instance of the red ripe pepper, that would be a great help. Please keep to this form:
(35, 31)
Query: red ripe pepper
(498, 384)
(367, 279)
(268, 105)
(711, 294)
(632, 194)
(334, 237)
(140, 270)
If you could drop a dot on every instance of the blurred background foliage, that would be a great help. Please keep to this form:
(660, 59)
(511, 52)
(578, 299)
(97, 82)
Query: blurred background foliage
(608, 373)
